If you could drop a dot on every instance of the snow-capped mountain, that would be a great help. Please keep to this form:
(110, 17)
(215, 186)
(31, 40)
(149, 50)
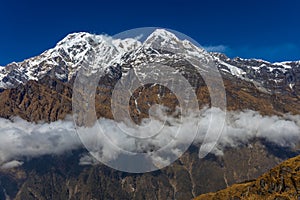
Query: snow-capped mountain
(66, 58)
(274, 77)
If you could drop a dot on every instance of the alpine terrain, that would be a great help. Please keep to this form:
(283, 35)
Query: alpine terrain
(38, 91)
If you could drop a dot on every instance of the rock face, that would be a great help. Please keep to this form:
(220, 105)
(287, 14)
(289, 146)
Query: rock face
(281, 182)
(51, 99)
(41, 88)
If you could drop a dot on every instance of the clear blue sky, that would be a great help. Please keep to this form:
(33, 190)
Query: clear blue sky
(259, 28)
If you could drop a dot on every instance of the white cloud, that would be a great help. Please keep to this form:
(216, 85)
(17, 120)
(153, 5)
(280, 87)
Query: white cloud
(139, 37)
(19, 138)
(87, 159)
(217, 48)
(11, 164)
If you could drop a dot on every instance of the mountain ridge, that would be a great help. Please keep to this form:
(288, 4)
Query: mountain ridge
(253, 89)
(64, 60)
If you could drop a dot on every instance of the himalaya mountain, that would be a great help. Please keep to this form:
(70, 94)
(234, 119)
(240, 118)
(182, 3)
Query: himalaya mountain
(65, 59)
(61, 64)
(40, 89)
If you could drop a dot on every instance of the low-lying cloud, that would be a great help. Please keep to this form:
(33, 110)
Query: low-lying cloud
(20, 139)
(244, 126)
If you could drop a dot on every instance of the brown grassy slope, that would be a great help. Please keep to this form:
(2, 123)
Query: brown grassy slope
(281, 182)
(50, 100)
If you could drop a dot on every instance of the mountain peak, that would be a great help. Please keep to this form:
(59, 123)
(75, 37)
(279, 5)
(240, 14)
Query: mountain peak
(74, 36)
(163, 33)
(161, 37)
(65, 59)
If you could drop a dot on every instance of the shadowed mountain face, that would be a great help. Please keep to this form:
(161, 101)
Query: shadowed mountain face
(61, 177)
(40, 89)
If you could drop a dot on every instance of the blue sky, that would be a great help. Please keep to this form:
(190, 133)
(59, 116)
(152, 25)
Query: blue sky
(268, 30)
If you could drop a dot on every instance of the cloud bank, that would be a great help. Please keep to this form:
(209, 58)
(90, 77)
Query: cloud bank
(20, 139)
